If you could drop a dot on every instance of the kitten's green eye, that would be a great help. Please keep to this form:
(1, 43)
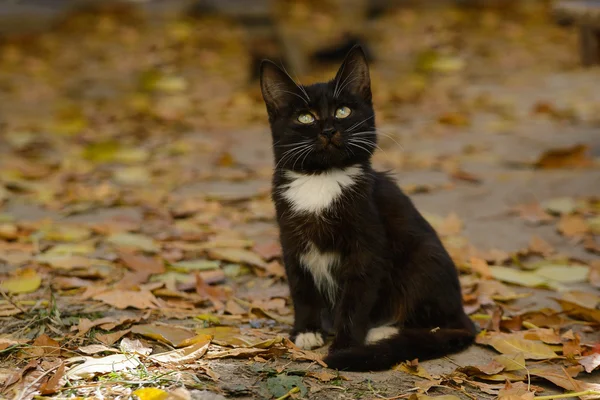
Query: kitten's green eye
(342, 112)
(306, 118)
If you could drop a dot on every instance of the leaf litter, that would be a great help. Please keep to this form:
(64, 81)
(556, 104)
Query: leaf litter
(138, 244)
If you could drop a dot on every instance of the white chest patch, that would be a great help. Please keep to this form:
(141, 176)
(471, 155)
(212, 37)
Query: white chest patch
(315, 193)
(320, 264)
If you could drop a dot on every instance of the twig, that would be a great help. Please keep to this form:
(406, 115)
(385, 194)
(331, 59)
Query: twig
(567, 395)
(295, 389)
(11, 301)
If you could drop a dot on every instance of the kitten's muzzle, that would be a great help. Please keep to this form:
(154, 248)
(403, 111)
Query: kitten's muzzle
(330, 136)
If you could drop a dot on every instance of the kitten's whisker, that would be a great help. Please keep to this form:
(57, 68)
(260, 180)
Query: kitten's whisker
(294, 144)
(353, 79)
(337, 92)
(289, 154)
(358, 124)
(304, 159)
(300, 155)
(379, 132)
(298, 86)
(337, 82)
(360, 147)
(366, 142)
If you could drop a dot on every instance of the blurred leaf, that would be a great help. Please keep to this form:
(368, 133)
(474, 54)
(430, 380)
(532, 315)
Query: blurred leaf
(122, 299)
(70, 249)
(196, 265)
(150, 394)
(135, 241)
(515, 276)
(238, 256)
(578, 311)
(25, 281)
(570, 157)
(560, 205)
(564, 273)
(101, 151)
(572, 225)
(64, 261)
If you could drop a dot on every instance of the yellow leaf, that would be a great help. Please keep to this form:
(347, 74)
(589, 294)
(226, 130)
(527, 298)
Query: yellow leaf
(26, 281)
(150, 394)
(532, 350)
(511, 362)
(511, 275)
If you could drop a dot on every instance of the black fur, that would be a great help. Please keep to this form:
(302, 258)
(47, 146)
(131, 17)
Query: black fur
(394, 269)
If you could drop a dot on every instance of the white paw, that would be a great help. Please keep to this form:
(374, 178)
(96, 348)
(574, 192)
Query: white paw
(309, 340)
(380, 333)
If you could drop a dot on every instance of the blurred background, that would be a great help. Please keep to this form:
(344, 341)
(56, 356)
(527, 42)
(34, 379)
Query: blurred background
(106, 94)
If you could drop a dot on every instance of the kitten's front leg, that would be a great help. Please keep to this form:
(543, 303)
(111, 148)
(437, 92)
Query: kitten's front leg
(307, 332)
(358, 295)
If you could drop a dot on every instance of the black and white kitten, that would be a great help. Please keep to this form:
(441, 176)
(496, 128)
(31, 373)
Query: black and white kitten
(357, 253)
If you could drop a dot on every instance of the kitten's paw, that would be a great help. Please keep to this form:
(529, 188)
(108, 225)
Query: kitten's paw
(309, 340)
(380, 333)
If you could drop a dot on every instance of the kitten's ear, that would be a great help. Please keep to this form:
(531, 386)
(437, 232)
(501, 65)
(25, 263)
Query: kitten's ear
(278, 89)
(353, 74)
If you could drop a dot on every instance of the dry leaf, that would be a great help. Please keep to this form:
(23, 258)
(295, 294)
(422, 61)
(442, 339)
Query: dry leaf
(237, 256)
(110, 338)
(182, 356)
(533, 213)
(577, 311)
(571, 157)
(539, 246)
(93, 366)
(122, 299)
(25, 281)
(142, 263)
(172, 335)
(572, 226)
(52, 385)
(323, 375)
(531, 350)
(590, 362)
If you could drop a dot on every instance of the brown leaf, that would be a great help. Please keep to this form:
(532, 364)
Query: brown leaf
(215, 294)
(572, 226)
(590, 362)
(237, 256)
(172, 335)
(539, 246)
(570, 157)
(533, 213)
(122, 299)
(240, 352)
(545, 335)
(580, 312)
(234, 308)
(463, 175)
(560, 378)
(481, 266)
(268, 250)
(454, 119)
(274, 268)
(141, 263)
(107, 323)
(451, 225)
(322, 375)
(516, 391)
(52, 385)
(182, 356)
(44, 346)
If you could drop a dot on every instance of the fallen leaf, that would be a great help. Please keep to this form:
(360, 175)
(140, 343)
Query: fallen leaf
(539, 246)
(454, 119)
(417, 370)
(130, 346)
(564, 273)
(511, 362)
(183, 355)
(111, 338)
(134, 241)
(150, 394)
(531, 350)
(533, 213)
(24, 281)
(215, 294)
(196, 265)
(590, 362)
(516, 391)
(122, 299)
(96, 348)
(515, 276)
(560, 205)
(240, 352)
(64, 261)
(94, 366)
(480, 266)
(572, 226)
(570, 157)
(322, 375)
(52, 385)
(580, 312)
(172, 335)
(560, 378)
(142, 263)
(238, 256)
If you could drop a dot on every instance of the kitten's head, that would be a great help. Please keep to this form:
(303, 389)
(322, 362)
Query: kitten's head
(321, 126)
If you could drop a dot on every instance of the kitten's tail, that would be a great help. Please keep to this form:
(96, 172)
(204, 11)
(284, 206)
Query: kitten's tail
(409, 344)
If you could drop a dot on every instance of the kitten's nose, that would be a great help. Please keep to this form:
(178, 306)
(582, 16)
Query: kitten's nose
(328, 132)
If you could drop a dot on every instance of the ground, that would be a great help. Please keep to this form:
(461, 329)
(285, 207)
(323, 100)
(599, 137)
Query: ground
(135, 216)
